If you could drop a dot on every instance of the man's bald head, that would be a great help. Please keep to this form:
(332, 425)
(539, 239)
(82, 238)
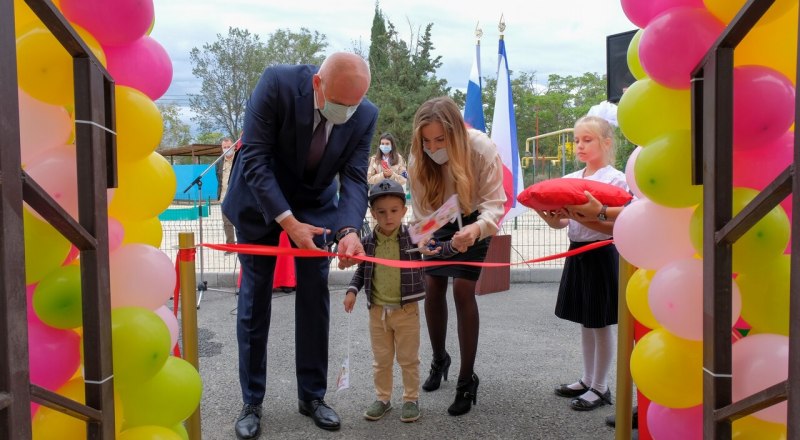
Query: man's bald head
(344, 78)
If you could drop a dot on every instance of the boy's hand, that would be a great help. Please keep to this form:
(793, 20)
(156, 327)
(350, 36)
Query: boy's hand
(349, 301)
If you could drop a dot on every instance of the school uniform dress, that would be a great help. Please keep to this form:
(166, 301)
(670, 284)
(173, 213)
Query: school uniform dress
(590, 281)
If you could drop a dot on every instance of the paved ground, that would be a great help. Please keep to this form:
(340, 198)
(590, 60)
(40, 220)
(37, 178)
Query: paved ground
(524, 352)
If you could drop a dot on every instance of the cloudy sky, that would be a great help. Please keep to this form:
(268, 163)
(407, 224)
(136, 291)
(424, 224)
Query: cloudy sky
(565, 37)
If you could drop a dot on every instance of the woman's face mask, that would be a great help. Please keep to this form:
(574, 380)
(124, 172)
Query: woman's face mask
(439, 156)
(385, 148)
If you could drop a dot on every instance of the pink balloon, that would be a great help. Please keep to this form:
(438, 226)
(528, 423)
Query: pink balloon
(675, 297)
(674, 42)
(763, 105)
(757, 167)
(54, 354)
(667, 423)
(111, 21)
(41, 126)
(143, 65)
(141, 276)
(630, 177)
(650, 235)
(640, 12)
(55, 170)
(116, 233)
(171, 321)
(760, 361)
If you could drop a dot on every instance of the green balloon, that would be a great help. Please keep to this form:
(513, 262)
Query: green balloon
(764, 242)
(45, 248)
(141, 344)
(57, 298)
(647, 110)
(663, 171)
(166, 399)
(765, 296)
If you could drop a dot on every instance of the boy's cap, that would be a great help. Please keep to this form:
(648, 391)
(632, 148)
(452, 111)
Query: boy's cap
(386, 187)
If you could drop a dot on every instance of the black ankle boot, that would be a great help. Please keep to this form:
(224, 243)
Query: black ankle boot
(438, 370)
(466, 396)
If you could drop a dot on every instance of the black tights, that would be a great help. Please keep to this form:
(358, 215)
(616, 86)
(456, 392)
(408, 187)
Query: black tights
(466, 314)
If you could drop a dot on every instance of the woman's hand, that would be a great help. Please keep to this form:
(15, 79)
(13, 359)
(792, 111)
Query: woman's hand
(466, 237)
(387, 172)
(585, 212)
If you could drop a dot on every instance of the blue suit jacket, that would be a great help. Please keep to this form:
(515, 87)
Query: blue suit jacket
(267, 175)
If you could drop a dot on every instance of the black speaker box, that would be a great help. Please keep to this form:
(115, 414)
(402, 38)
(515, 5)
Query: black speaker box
(618, 74)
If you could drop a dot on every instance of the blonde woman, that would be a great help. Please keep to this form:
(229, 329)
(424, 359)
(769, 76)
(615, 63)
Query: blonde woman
(448, 158)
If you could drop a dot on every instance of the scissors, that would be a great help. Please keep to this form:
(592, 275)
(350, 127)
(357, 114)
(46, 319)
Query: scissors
(432, 245)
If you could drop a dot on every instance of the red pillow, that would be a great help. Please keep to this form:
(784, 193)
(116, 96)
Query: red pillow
(555, 193)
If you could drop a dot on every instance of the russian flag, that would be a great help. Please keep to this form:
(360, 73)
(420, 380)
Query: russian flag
(473, 109)
(504, 135)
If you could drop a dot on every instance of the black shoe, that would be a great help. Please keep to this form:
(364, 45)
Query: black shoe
(248, 424)
(323, 415)
(564, 390)
(439, 369)
(612, 419)
(466, 396)
(581, 404)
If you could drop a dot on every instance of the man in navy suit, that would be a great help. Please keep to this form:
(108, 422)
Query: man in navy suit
(282, 180)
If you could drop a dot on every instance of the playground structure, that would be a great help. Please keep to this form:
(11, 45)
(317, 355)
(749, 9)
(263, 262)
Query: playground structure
(563, 149)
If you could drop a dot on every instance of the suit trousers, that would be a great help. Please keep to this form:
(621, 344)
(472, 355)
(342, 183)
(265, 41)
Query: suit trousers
(311, 322)
(395, 331)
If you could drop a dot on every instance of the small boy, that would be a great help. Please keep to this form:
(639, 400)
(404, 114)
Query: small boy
(392, 296)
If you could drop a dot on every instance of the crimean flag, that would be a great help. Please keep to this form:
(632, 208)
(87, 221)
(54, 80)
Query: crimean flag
(473, 109)
(504, 135)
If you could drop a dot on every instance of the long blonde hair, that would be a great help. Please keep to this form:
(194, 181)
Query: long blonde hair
(604, 131)
(426, 176)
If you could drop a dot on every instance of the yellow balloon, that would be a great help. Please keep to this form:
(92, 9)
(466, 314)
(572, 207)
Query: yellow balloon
(765, 241)
(668, 370)
(139, 124)
(647, 110)
(765, 296)
(150, 432)
(772, 44)
(752, 428)
(663, 171)
(44, 68)
(147, 231)
(146, 188)
(634, 65)
(636, 296)
(23, 16)
(45, 248)
(725, 10)
(49, 424)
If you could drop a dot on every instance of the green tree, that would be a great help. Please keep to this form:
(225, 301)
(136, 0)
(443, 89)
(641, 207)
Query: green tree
(230, 67)
(403, 77)
(176, 132)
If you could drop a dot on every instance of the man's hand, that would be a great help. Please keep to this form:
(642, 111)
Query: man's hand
(349, 245)
(302, 234)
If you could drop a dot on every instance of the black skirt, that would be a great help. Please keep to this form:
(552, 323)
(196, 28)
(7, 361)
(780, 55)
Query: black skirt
(476, 252)
(588, 293)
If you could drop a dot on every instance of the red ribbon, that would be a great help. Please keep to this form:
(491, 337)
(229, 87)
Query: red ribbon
(184, 255)
(256, 249)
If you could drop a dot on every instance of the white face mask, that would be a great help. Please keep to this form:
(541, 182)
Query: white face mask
(337, 113)
(385, 149)
(440, 156)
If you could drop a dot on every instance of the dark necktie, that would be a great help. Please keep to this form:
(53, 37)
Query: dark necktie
(317, 145)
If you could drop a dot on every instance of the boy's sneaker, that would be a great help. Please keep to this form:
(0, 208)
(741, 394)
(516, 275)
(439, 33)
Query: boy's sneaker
(410, 412)
(377, 410)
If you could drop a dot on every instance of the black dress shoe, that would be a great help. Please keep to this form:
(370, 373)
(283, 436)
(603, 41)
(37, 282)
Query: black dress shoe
(564, 390)
(248, 424)
(611, 420)
(581, 404)
(323, 415)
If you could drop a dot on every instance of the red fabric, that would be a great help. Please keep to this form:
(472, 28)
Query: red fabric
(555, 193)
(185, 255)
(284, 267)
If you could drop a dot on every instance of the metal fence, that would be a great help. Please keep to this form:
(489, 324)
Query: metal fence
(531, 238)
